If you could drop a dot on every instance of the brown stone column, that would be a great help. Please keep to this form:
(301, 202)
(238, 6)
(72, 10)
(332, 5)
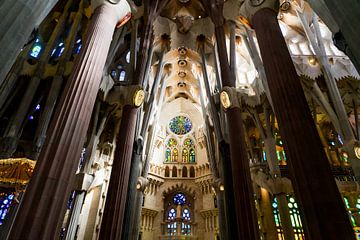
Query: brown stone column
(113, 219)
(41, 212)
(319, 199)
(244, 226)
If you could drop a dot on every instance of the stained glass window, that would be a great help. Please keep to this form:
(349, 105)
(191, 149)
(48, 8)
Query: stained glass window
(127, 57)
(77, 46)
(185, 155)
(172, 214)
(58, 50)
(36, 48)
(5, 202)
(186, 214)
(185, 229)
(295, 218)
(122, 75)
(175, 156)
(179, 199)
(188, 153)
(171, 151)
(180, 125)
(276, 214)
(192, 155)
(168, 155)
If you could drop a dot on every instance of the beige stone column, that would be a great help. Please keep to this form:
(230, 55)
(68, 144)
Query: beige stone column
(41, 212)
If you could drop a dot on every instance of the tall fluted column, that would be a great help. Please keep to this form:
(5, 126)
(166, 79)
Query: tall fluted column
(113, 218)
(40, 214)
(245, 225)
(18, 19)
(314, 185)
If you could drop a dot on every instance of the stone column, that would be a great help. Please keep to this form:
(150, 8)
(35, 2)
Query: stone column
(18, 19)
(319, 199)
(41, 212)
(245, 225)
(113, 219)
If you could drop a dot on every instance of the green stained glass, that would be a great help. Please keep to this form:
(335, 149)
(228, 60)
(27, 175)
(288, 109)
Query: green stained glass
(192, 155)
(168, 155)
(180, 125)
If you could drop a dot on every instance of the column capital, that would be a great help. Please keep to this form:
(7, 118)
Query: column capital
(120, 8)
(250, 7)
(229, 98)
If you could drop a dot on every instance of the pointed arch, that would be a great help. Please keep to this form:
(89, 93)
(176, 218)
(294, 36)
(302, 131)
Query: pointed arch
(174, 172)
(167, 171)
(184, 172)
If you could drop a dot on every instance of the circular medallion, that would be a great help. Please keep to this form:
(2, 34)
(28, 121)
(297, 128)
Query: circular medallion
(225, 99)
(138, 98)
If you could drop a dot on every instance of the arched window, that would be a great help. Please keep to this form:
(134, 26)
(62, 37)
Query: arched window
(295, 218)
(36, 48)
(172, 214)
(127, 57)
(167, 171)
(192, 155)
(186, 214)
(175, 155)
(276, 213)
(192, 171)
(178, 214)
(184, 172)
(167, 155)
(185, 155)
(122, 76)
(174, 172)
(58, 50)
(171, 151)
(77, 46)
(188, 152)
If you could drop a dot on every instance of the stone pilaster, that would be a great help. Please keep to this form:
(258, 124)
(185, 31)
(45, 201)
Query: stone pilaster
(41, 212)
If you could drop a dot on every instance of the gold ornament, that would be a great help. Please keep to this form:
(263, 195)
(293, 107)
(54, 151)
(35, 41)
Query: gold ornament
(225, 99)
(138, 98)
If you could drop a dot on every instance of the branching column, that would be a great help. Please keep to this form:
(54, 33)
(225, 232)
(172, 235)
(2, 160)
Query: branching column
(113, 219)
(40, 214)
(314, 185)
(245, 218)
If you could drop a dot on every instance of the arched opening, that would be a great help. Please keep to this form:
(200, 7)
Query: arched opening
(174, 172)
(167, 171)
(184, 172)
(192, 172)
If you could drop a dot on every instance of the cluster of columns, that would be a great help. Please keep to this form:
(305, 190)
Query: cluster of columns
(40, 213)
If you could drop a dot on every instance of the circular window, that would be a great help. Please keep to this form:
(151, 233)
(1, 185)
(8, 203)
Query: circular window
(180, 125)
(179, 199)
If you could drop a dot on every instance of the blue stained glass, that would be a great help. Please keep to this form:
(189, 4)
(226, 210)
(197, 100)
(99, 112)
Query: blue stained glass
(172, 214)
(179, 199)
(180, 125)
(5, 205)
